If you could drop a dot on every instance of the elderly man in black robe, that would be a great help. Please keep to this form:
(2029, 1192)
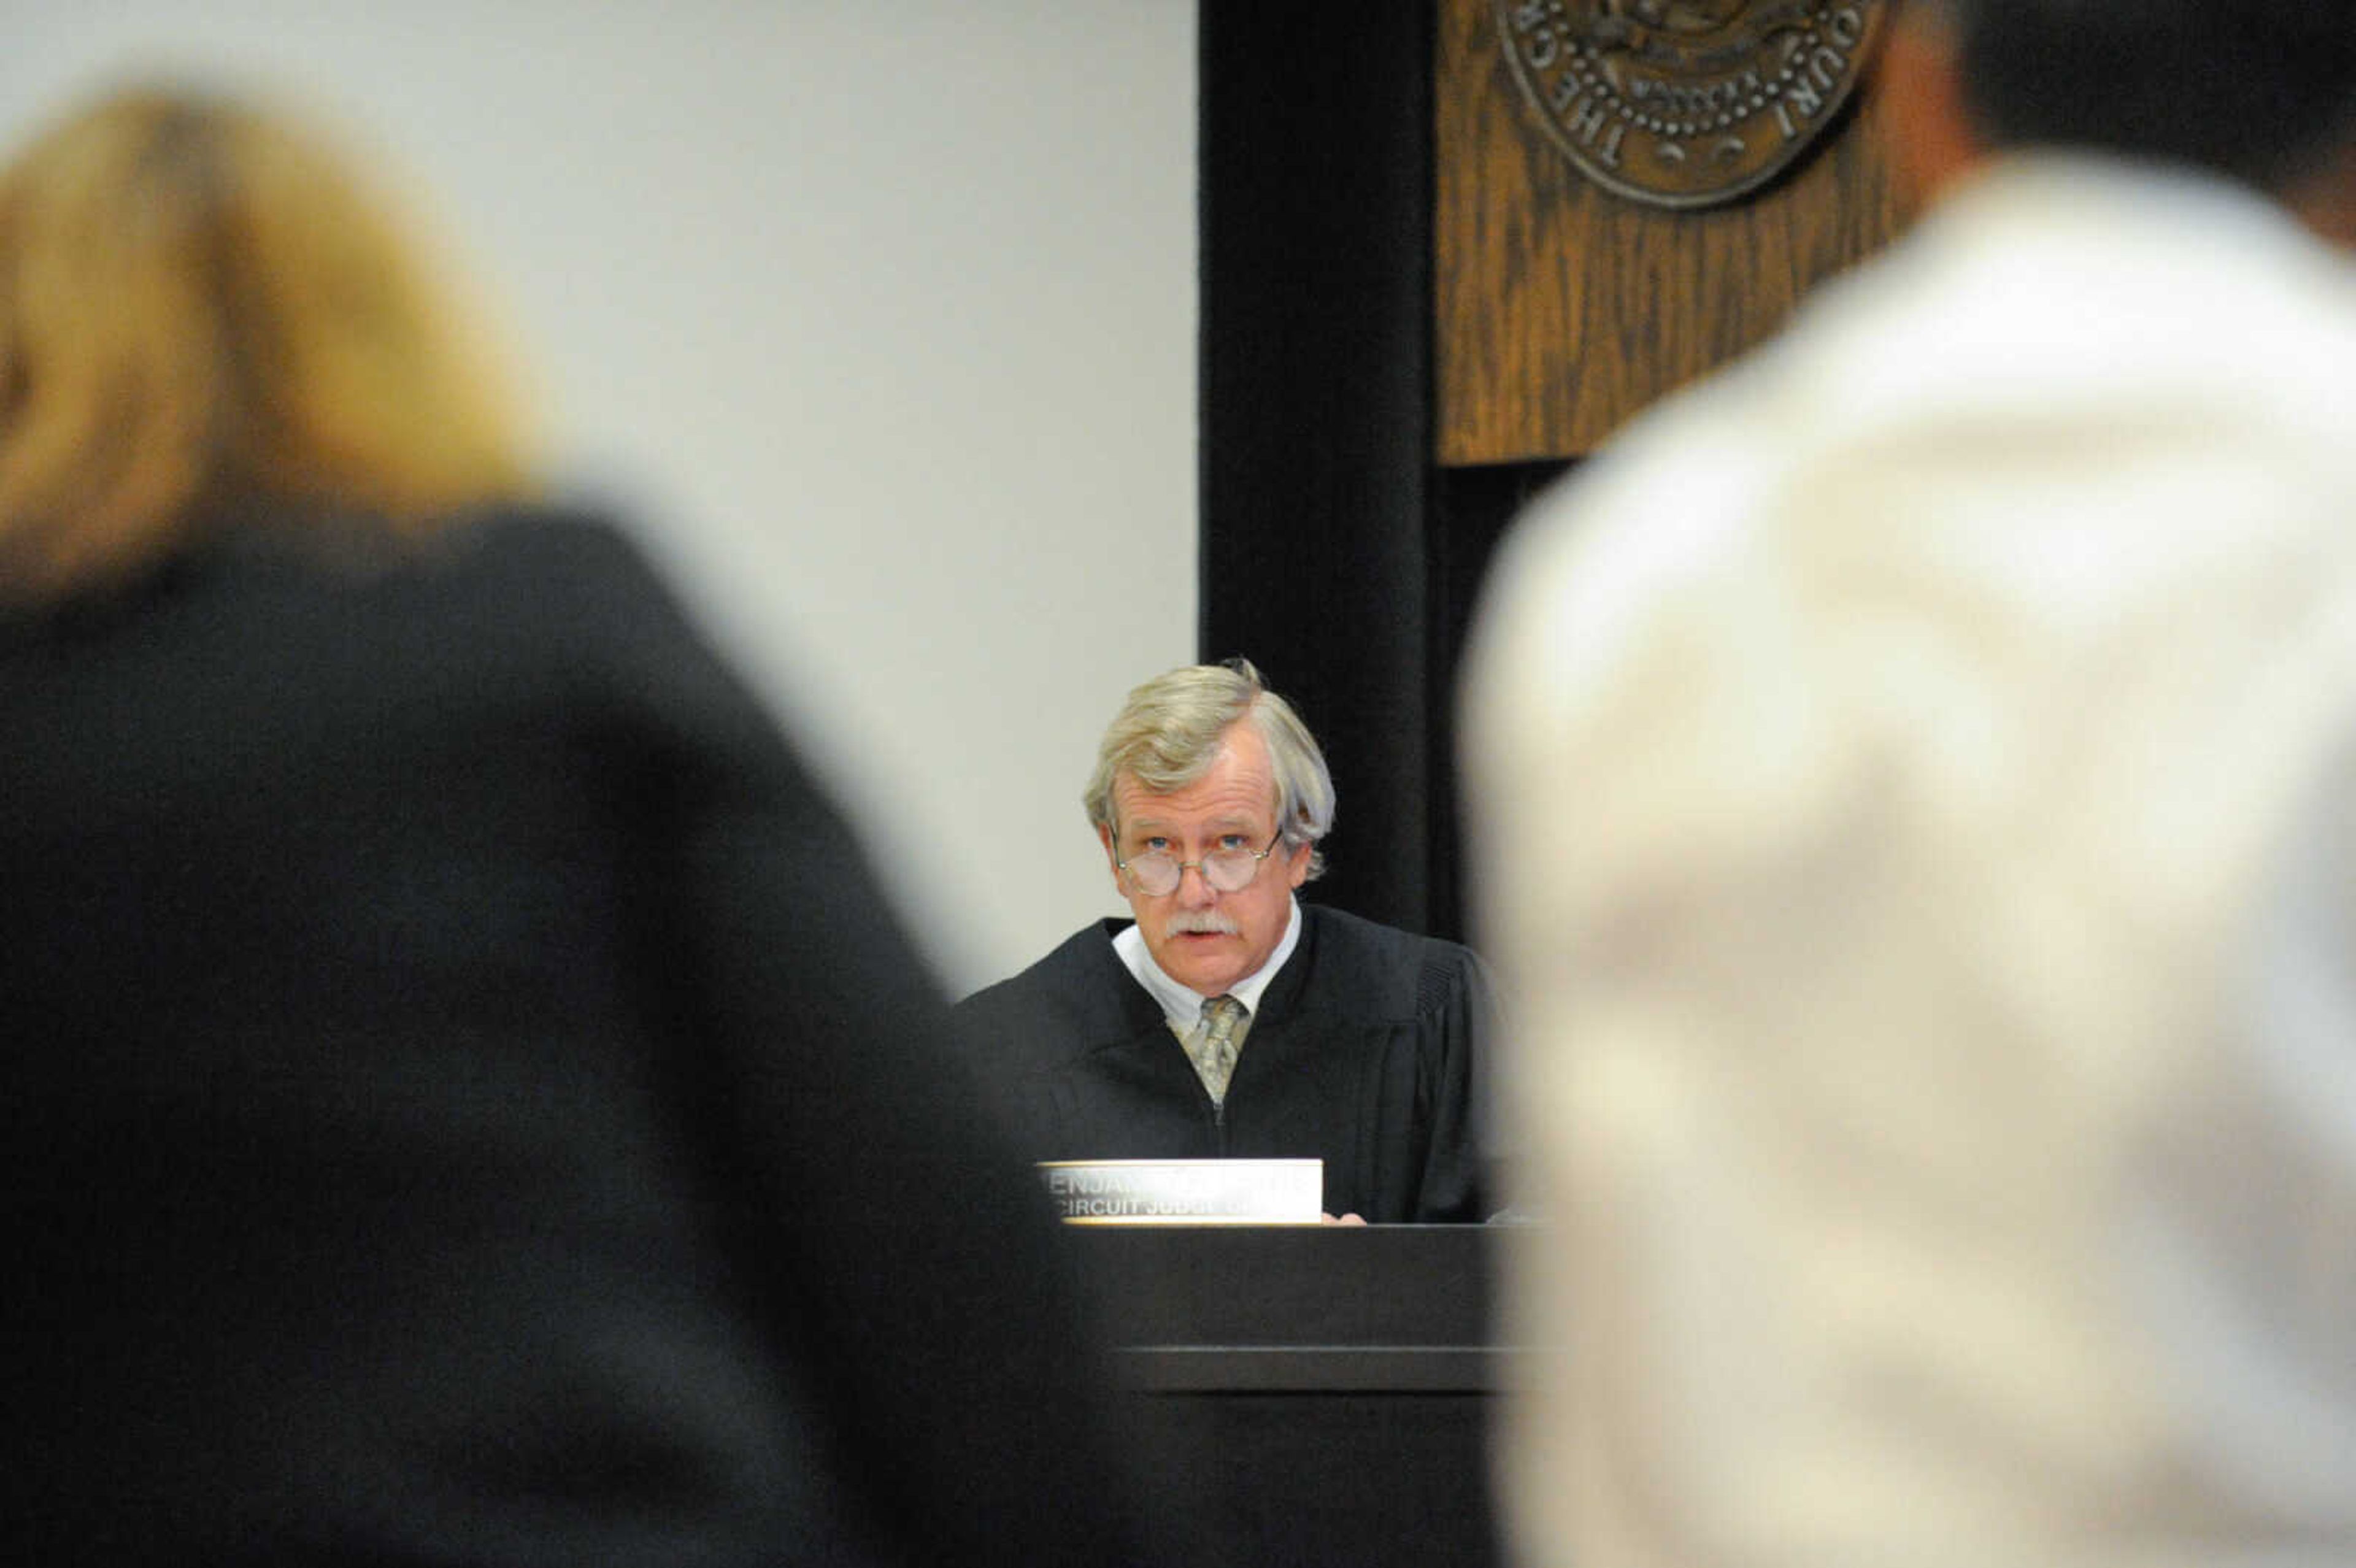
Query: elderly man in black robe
(1228, 1019)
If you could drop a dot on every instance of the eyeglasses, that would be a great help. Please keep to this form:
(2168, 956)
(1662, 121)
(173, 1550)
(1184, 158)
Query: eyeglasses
(1157, 872)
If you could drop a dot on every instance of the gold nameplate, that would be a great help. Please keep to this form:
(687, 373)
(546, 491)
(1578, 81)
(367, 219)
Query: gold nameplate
(1186, 1191)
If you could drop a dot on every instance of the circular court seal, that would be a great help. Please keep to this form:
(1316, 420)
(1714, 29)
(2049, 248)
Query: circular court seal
(1686, 104)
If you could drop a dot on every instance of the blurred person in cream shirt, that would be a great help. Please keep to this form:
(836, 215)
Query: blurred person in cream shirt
(1913, 788)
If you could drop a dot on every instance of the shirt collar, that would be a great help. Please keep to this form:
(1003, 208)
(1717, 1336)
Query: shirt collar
(1182, 1006)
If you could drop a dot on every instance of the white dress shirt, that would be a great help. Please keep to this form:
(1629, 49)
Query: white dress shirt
(1181, 1006)
(1913, 779)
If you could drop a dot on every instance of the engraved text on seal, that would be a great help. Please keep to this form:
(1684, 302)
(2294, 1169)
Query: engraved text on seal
(1687, 102)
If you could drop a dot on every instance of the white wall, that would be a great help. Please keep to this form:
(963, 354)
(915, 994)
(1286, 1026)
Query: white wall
(881, 318)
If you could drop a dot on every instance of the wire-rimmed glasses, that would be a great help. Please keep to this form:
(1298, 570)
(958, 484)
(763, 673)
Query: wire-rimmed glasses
(1158, 872)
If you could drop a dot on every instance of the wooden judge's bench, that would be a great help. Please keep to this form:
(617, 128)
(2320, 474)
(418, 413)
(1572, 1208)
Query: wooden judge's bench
(1313, 1395)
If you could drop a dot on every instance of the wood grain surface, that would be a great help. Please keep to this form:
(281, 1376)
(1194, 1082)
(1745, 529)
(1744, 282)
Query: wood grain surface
(1561, 309)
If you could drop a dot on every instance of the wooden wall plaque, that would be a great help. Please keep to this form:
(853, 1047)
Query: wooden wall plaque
(1563, 308)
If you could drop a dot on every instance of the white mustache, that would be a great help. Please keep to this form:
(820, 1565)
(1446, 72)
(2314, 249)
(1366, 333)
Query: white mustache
(1209, 921)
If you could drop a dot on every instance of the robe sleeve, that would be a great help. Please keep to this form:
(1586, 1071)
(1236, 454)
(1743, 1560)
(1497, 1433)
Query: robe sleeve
(1455, 1018)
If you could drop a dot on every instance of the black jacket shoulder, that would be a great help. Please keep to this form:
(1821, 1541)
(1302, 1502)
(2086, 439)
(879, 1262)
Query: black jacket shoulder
(1402, 974)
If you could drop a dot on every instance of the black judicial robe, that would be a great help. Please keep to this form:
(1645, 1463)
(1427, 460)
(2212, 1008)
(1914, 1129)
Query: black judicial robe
(1363, 1052)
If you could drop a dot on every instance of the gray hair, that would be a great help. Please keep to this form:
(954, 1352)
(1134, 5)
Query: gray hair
(1167, 734)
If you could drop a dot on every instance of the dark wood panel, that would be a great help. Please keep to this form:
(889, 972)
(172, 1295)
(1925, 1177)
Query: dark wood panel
(1309, 1395)
(1283, 1285)
(1561, 309)
(1335, 1481)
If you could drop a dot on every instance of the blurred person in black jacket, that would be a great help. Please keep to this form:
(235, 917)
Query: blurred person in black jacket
(466, 1100)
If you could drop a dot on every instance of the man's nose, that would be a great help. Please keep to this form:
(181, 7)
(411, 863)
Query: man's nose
(1194, 889)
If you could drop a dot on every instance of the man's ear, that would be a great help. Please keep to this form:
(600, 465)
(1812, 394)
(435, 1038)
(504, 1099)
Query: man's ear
(1928, 130)
(1112, 860)
(1296, 863)
(2324, 200)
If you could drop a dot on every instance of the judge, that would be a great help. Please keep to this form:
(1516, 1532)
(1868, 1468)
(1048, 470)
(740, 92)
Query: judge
(1228, 1018)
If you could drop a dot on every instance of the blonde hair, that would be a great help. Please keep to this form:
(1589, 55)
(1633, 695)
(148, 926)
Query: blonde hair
(200, 310)
(1167, 735)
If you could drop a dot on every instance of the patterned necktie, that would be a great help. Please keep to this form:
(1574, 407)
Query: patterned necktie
(1211, 1045)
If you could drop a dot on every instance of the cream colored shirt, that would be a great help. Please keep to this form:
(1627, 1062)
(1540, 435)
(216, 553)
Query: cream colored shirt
(1915, 789)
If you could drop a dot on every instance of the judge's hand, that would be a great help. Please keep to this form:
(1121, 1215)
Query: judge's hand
(1344, 1220)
